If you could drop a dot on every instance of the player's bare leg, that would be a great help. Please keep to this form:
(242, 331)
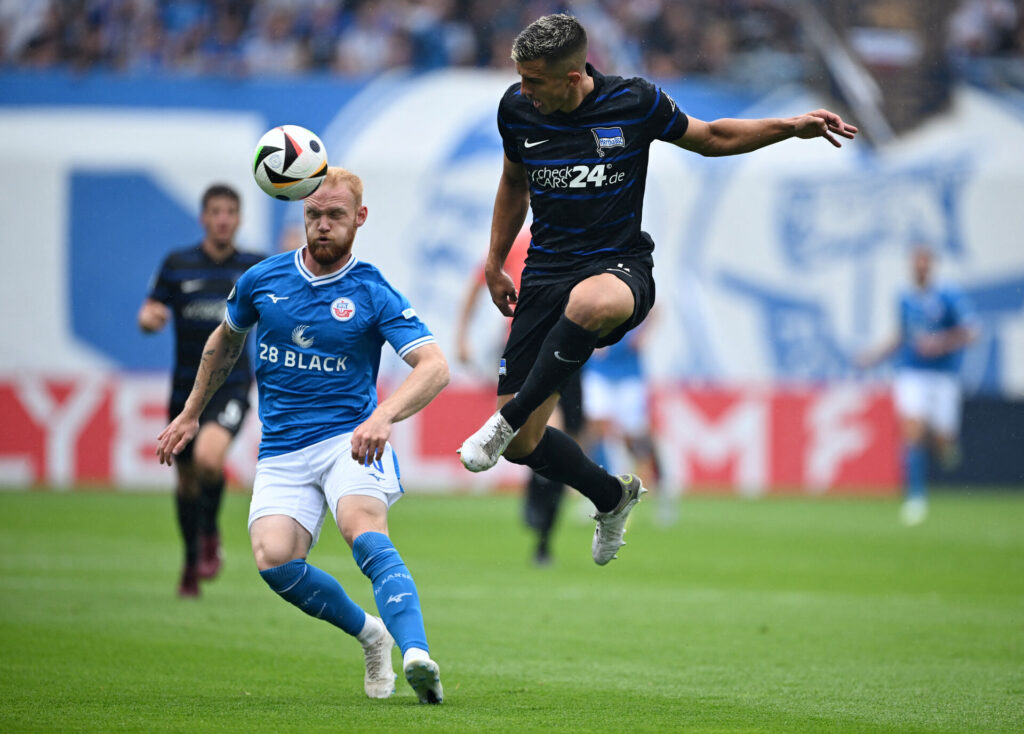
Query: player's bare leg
(362, 521)
(915, 456)
(947, 450)
(280, 545)
(553, 454)
(597, 306)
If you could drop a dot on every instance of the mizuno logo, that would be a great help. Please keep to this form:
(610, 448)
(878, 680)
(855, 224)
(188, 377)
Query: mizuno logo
(275, 299)
(560, 358)
(298, 339)
(397, 597)
(528, 144)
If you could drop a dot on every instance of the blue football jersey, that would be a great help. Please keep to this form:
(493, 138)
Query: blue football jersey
(620, 361)
(318, 345)
(929, 311)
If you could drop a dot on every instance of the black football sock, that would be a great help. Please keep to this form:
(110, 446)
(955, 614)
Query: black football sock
(561, 459)
(210, 496)
(543, 497)
(563, 351)
(188, 521)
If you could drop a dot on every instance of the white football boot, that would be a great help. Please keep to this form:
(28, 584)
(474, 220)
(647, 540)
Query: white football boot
(482, 450)
(380, 675)
(914, 512)
(424, 676)
(611, 525)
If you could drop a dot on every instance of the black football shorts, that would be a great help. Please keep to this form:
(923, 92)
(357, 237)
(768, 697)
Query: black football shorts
(541, 305)
(227, 408)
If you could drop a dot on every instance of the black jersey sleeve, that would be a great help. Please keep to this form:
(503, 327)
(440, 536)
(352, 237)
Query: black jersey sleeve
(666, 121)
(508, 140)
(159, 284)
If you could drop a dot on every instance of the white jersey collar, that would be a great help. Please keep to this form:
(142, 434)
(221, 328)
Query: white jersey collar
(321, 279)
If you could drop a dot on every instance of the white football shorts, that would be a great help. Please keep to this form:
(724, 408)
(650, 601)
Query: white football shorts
(929, 396)
(307, 483)
(622, 402)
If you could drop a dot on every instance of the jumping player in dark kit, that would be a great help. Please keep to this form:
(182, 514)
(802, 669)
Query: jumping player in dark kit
(576, 149)
(192, 285)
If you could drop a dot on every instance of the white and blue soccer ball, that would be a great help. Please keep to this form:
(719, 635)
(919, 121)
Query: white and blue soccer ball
(290, 162)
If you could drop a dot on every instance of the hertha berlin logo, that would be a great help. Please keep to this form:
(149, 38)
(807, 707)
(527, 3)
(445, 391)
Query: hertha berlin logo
(343, 309)
(607, 138)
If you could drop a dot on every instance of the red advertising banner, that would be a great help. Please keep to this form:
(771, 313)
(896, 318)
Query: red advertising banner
(62, 431)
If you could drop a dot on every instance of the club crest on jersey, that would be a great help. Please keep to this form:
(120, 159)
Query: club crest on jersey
(343, 309)
(607, 138)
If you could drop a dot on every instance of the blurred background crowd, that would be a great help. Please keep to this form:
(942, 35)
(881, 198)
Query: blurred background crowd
(741, 40)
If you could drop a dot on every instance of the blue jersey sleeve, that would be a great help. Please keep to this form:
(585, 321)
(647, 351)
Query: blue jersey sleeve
(241, 314)
(959, 308)
(398, 322)
(903, 317)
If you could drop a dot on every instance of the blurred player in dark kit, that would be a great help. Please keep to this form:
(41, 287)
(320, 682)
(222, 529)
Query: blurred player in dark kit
(192, 286)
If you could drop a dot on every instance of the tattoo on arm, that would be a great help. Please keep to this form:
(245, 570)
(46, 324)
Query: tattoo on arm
(220, 354)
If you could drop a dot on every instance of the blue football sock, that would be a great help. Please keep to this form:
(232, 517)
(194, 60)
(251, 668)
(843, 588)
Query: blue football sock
(599, 453)
(915, 465)
(393, 589)
(317, 593)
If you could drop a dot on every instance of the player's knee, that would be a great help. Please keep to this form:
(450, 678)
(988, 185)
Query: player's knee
(600, 310)
(209, 471)
(187, 488)
(208, 463)
(283, 577)
(913, 431)
(354, 524)
(271, 552)
(641, 446)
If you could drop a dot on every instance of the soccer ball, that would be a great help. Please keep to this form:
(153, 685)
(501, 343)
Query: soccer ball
(290, 162)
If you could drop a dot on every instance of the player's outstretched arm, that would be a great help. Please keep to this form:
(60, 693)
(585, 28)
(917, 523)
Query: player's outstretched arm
(464, 350)
(945, 342)
(428, 377)
(511, 204)
(873, 357)
(222, 350)
(729, 136)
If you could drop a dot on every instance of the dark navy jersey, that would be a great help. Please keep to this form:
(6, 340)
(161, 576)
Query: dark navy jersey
(587, 170)
(196, 288)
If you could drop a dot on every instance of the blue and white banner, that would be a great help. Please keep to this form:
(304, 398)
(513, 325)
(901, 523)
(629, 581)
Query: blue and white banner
(774, 266)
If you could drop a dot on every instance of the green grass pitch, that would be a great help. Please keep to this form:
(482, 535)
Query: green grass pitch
(780, 615)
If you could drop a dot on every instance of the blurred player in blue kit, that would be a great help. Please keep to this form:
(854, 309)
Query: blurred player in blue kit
(576, 148)
(935, 325)
(322, 317)
(543, 498)
(617, 404)
(192, 285)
